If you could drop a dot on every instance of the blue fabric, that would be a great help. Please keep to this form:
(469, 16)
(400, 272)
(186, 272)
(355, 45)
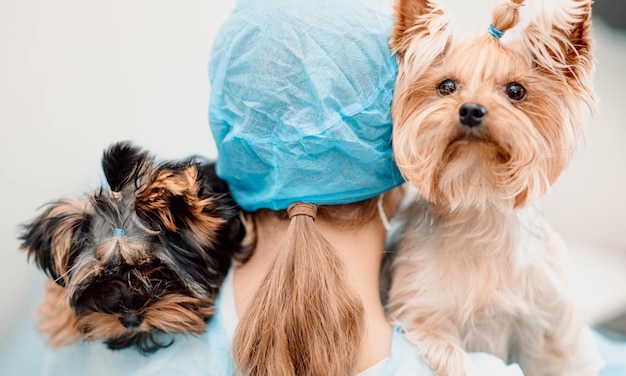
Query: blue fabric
(300, 102)
(613, 352)
(24, 353)
(209, 354)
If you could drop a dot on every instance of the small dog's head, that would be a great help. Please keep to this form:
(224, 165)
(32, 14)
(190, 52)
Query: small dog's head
(490, 120)
(145, 257)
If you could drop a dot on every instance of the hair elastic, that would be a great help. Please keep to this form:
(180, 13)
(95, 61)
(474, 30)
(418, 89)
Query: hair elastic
(495, 32)
(119, 232)
(300, 208)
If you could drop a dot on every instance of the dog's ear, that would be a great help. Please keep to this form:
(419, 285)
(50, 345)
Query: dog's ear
(418, 22)
(224, 206)
(560, 41)
(123, 163)
(55, 238)
(173, 199)
(421, 37)
(182, 201)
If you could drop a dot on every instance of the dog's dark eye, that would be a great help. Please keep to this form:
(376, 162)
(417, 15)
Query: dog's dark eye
(446, 87)
(516, 92)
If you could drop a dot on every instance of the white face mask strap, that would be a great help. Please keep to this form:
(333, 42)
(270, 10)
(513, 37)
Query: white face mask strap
(381, 213)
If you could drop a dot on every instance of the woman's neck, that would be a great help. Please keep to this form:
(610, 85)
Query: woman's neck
(361, 252)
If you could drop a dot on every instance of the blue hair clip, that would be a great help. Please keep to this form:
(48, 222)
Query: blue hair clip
(119, 232)
(495, 32)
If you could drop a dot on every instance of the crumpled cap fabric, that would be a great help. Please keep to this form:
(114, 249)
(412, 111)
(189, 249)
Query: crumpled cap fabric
(300, 102)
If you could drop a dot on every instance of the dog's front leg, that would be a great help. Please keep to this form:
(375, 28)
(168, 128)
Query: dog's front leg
(439, 342)
(568, 349)
(565, 345)
(578, 354)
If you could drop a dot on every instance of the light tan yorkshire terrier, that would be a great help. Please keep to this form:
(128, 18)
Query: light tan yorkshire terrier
(482, 128)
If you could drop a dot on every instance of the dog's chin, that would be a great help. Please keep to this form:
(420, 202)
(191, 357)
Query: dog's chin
(145, 342)
(471, 173)
(475, 147)
(170, 314)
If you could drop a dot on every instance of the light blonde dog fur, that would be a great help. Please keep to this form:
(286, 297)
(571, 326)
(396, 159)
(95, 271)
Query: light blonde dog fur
(482, 128)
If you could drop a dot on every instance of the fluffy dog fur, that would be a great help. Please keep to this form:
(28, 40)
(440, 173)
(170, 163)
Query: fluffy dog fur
(130, 265)
(482, 128)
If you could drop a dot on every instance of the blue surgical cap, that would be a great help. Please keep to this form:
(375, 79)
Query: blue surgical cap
(300, 102)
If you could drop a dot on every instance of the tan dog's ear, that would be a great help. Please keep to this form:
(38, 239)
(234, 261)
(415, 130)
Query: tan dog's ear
(561, 43)
(168, 194)
(56, 237)
(174, 199)
(189, 216)
(414, 19)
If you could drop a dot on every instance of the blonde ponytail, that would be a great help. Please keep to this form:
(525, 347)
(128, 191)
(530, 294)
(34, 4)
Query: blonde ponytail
(305, 319)
(506, 15)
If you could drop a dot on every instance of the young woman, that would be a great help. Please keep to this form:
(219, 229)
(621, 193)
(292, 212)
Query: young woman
(300, 112)
(299, 109)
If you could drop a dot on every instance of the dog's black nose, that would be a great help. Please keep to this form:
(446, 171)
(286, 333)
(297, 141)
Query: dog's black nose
(472, 114)
(131, 320)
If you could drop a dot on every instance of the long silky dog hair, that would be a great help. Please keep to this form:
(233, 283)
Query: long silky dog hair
(482, 127)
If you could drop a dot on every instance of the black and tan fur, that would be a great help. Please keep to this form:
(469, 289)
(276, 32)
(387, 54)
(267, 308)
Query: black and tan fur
(135, 263)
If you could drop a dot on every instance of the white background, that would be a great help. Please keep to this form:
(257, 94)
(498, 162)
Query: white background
(77, 75)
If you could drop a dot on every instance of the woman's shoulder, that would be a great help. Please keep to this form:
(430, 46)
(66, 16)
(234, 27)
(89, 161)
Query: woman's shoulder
(404, 359)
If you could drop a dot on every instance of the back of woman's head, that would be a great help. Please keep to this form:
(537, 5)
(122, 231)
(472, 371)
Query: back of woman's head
(299, 108)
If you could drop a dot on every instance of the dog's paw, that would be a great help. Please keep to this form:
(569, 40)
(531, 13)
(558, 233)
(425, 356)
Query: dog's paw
(450, 360)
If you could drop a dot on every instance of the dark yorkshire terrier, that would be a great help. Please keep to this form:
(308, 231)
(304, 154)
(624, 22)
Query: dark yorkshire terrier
(134, 264)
